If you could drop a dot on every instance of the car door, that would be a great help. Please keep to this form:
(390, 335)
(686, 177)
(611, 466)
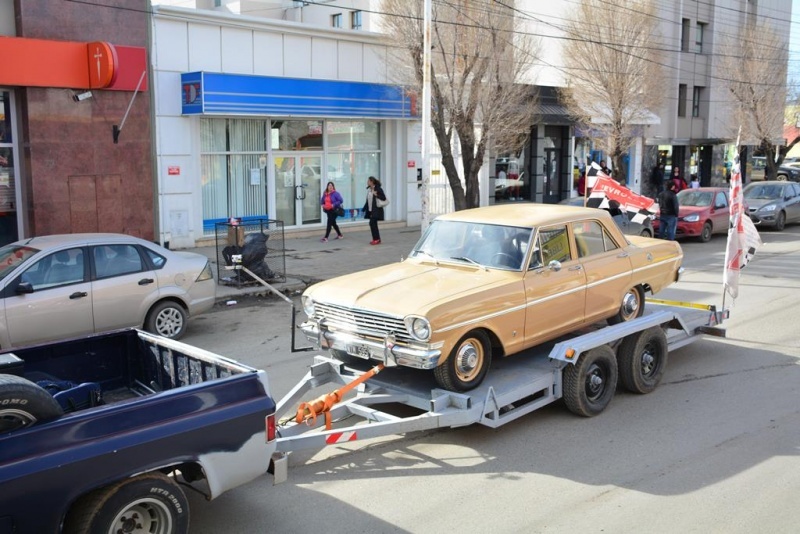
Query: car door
(791, 195)
(720, 215)
(606, 266)
(50, 300)
(555, 287)
(123, 287)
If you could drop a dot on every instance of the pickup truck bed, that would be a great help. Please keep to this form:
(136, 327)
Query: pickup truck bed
(169, 408)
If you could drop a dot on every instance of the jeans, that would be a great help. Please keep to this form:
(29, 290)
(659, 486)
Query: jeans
(373, 227)
(667, 226)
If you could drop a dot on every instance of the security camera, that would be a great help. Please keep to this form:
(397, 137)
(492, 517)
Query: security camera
(80, 97)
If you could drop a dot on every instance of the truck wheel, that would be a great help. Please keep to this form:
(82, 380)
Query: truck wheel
(23, 403)
(467, 364)
(150, 503)
(632, 306)
(705, 233)
(590, 383)
(642, 359)
(167, 319)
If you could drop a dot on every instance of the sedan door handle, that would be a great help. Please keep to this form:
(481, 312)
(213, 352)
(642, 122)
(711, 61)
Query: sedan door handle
(78, 295)
(145, 281)
(622, 255)
(575, 268)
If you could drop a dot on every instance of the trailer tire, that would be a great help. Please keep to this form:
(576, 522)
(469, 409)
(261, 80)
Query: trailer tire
(642, 358)
(468, 363)
(590, 383)
(151, 502)
(631, 307)
(23, 403)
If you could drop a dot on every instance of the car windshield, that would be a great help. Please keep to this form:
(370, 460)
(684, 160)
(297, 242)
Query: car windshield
(487, 245)
(763, 192)
(13, 255)
(694, 198)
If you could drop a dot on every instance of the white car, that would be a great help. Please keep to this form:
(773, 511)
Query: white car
(62, 286)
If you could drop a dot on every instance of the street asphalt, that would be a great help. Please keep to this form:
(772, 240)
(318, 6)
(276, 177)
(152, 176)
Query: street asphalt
(310, 260)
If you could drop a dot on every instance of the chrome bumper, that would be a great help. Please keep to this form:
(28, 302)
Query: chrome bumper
(388, 352)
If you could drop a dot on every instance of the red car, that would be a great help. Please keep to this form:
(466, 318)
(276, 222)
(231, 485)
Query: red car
(703, 212)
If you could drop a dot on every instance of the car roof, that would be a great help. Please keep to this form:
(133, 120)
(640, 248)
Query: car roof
(60, 240)
(524, 214)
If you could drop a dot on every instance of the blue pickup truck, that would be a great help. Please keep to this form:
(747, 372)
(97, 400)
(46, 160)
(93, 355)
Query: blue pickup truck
(101, 434)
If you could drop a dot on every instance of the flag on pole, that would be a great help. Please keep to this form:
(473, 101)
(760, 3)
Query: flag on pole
(637, 207)
(743, 238)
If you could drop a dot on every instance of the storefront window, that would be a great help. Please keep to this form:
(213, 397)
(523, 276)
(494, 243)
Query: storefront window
(352, 158)
(8, 193)
(296, 135)
(353, 135)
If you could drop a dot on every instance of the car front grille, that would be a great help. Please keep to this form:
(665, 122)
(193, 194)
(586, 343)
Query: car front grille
(362, 322)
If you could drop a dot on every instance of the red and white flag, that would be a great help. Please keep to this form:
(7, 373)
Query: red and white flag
(743, 238)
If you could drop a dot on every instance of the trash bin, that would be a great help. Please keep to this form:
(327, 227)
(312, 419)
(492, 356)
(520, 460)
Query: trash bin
(254, 243)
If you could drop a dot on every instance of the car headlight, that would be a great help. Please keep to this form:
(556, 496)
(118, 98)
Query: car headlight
(692, 218)
(206, 273)
(768, 207)
(308, 305)
(418, 327)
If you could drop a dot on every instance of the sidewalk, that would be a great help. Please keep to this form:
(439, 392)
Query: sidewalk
(308, 260)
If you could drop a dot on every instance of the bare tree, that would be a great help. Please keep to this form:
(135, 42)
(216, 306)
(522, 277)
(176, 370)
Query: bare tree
(753, 68)
(615, 61)
(475, 60)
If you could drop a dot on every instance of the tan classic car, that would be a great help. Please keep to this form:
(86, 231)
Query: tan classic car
(490, 282)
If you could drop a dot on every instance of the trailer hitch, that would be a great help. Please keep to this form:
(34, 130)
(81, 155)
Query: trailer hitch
(308, 411)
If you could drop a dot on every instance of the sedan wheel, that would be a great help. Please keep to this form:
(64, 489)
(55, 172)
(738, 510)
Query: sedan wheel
(780, 222)
(467, 364)
(705, 235)
(167, 319)
(632, 306)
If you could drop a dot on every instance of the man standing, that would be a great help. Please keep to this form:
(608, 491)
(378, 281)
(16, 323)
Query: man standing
(668, 204)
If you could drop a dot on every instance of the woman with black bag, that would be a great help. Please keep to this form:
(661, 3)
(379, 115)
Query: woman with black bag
(373, 207)
(331, 202)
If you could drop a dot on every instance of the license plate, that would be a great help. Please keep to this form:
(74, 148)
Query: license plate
(360, 351)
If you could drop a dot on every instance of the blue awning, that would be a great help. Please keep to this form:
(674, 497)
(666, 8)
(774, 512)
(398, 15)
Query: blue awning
(210, 93)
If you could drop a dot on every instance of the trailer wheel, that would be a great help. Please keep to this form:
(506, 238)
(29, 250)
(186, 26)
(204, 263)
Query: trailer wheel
(631, 307)
(642, 359)
(23, 403)
(590, 383)
(467, 364)
(150, 503)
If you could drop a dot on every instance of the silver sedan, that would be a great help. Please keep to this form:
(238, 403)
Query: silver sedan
(62, 286)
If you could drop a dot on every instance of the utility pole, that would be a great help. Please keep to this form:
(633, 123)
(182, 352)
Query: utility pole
(426, 113)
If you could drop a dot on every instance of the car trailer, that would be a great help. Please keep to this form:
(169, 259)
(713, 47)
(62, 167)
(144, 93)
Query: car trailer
(582, 368)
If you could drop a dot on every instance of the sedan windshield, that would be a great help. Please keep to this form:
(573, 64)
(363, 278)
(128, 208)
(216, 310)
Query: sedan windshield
(694, 198)
(763, 192)
(486, 245)
(13, 255)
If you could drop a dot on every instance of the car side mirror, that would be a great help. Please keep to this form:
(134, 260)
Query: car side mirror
(24, 288)
(554, 265)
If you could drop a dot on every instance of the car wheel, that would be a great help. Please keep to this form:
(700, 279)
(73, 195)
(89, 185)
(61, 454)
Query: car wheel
(167, 319)
(23, 403)
(642, 359)
(467, 364)
(148, 503)
(590, 383)
(705, 234)
(646, 233)
(632, 306)
(782, 177)
(780, 222)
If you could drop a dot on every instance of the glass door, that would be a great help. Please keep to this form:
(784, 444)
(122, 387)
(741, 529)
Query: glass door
(298, 187)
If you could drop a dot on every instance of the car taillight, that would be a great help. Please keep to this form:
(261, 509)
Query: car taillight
(206, 274)
(270, 428)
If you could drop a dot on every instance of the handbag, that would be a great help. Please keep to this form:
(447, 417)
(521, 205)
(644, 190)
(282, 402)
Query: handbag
(381, 203)
(339, 211)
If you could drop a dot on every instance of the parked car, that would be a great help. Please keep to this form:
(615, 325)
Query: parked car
(759, 169)
(703, 212)
(61, 286)
(628, 227)
(489, 282)
(773, 204)
(789, 172)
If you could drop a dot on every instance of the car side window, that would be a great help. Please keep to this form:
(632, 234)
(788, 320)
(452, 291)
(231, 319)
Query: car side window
(591, 238)
(116, 260)
(554, 244)
(156, 259)
(721, 201)
(55, 270)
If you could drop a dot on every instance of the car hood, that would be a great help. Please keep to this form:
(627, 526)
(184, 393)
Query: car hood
(758, 202)
(409, 287)
(688, 210)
